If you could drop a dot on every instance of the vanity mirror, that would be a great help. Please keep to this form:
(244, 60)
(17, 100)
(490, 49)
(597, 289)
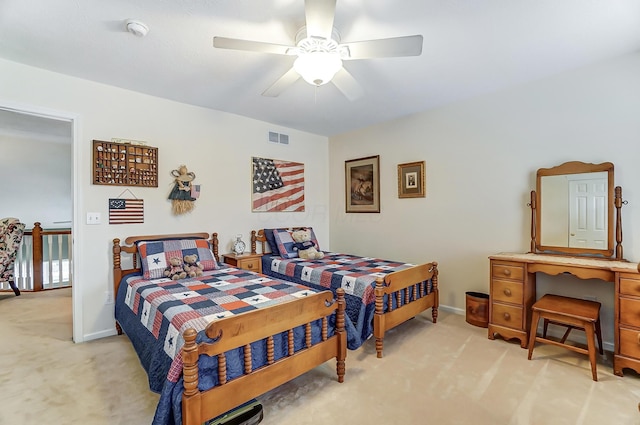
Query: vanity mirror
(572, 210)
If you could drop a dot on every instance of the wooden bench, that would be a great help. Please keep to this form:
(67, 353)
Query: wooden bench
(573, 313)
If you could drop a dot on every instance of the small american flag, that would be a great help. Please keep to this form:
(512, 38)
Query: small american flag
(277, 185)
(125, 211)
(195, 191)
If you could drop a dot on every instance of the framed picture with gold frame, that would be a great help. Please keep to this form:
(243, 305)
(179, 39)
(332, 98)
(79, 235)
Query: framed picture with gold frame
(362, 185)
(411, 180)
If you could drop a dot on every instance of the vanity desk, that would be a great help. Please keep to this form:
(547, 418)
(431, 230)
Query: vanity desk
(572, 232)
(513, 291)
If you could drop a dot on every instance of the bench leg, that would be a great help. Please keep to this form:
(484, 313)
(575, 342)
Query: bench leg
(599, 335)
(591, 344)
(535, 317)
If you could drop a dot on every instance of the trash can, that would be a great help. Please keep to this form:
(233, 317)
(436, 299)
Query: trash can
(478, 309)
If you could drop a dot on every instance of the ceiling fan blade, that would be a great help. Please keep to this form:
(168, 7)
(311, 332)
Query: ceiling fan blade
(319, 15)
(252, 46)
(385, 48)
(290, 77)
(348, 85)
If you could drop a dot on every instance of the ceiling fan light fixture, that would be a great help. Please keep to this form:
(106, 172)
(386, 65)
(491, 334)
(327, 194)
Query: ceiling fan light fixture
(317, 68)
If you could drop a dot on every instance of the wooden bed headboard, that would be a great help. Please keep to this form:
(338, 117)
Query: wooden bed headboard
(131, 247)
(258, 236)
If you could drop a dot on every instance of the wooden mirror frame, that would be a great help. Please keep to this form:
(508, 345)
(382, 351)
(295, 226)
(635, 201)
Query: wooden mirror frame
(614, 200)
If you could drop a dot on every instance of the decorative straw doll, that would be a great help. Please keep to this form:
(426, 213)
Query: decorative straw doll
(181, 200)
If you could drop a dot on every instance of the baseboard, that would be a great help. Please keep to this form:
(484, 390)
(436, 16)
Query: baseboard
(454, 310)
(101, 334)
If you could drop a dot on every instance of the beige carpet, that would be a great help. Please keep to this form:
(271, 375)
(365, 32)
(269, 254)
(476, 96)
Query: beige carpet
(448, 373)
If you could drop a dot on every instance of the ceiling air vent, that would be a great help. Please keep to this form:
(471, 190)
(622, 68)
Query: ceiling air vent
(278, 138)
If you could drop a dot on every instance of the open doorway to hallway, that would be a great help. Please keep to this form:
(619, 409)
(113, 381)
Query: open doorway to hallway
(38, 158)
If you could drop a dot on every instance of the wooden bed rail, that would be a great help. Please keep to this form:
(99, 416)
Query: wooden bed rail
(241, 331)
(409, 289)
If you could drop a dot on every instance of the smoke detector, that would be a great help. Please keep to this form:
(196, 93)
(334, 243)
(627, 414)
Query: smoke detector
(137, 28)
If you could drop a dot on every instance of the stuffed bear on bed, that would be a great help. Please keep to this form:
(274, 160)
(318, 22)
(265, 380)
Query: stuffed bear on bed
(174, 270)
(192, 266)
(305, 247)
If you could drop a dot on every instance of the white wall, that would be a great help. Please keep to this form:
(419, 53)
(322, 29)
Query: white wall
(216, 146)
(37, 182)
(481, 158)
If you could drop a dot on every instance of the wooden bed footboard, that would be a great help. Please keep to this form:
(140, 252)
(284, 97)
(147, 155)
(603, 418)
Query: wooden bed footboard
(240, 331)
(408, 290)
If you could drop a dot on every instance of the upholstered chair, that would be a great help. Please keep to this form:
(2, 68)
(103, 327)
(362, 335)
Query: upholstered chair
(11, 231)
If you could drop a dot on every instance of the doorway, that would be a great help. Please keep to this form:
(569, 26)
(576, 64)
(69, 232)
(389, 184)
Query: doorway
(44, 149)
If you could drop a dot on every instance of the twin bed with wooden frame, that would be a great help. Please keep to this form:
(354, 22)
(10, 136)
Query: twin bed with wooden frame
(299, 327)
(390, 292)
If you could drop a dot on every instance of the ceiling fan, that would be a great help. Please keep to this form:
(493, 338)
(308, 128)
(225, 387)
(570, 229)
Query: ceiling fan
(320, 53)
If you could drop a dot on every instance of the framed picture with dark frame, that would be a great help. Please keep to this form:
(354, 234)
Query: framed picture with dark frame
(411, 180)
(362, 184)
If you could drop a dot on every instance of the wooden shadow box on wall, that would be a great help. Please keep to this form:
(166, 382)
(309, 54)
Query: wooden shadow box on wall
(124, 164)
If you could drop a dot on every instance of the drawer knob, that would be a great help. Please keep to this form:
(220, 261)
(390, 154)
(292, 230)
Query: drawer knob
(507, 292)
(507, 316)
(249, 266)
(507, 272)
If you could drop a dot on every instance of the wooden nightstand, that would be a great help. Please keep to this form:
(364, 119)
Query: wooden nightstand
(248, 261)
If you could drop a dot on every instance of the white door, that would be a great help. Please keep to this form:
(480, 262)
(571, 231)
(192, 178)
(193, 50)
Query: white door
(588, 213)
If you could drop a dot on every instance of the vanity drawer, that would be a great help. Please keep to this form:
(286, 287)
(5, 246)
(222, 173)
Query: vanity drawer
(506, 291)
(630, 285)
(630, 343)
(506, 315)
(507, 271)
(629, 312)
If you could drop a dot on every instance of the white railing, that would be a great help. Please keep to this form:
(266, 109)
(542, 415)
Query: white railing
(43, 260)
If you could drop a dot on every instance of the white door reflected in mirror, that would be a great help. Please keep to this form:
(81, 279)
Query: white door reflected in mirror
(574, 210)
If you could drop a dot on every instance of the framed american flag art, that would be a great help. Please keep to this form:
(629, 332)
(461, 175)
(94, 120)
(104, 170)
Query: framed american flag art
(126, 211)
(277, 185)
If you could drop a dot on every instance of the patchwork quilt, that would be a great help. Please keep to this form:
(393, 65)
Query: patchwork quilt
(356, 275)
(155, 313)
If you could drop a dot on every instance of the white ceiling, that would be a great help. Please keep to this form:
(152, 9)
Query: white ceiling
(470, 47)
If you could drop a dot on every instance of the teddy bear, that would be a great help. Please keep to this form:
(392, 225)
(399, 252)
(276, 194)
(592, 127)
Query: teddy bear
(174, 270)
(305, 247)
(192, 266)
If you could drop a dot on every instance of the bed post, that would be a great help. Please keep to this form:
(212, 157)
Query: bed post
(342, 335)
(214, 243)
(117, 274)
(36, 236)
(378, 317)
(191, 402)
(436, 293)
(253, 241)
